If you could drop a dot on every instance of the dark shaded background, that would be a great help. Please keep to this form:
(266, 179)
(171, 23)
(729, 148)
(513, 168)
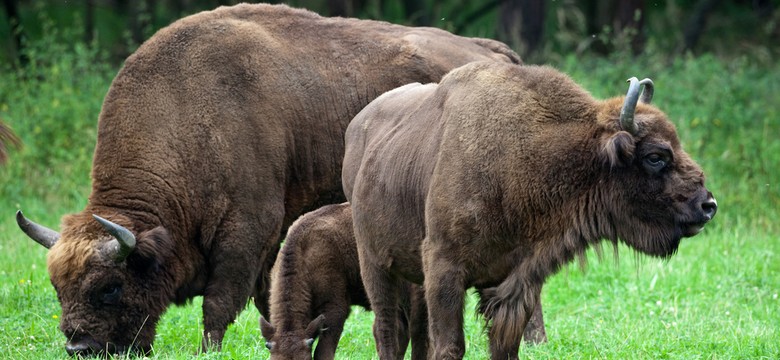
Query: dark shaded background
(540, 30)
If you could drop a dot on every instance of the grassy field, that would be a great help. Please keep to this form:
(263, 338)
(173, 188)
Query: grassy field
(717, 298)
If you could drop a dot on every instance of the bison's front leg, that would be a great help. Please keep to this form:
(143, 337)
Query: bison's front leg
(444, 294)
(262, 291)
(534, 331)
(508, 308)
(239, 245)
(336, 314)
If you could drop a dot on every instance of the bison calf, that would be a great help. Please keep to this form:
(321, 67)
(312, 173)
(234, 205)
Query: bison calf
(498, 176)
(316, 278)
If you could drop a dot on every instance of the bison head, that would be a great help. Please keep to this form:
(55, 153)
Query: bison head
(655, 193)
(293, 345)
(111, 283)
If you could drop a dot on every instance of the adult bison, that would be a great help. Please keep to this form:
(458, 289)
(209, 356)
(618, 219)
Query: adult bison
(497, 177)
(316, 278)
(216, 134)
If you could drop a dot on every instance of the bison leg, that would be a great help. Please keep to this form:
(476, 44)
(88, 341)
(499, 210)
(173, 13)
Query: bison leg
(402, 326)
(262, 290)
(382, 289)
(335, 316)
(501, 348)
(534, 332)
(509, 308)
(418, 323)
(444, 293)
(234, 265)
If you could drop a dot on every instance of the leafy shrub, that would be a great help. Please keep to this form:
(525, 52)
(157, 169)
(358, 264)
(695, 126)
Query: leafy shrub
(52, 104)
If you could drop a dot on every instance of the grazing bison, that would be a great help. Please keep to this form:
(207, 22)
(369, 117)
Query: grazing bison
(498, 176)
(214, 136)
(316, 278)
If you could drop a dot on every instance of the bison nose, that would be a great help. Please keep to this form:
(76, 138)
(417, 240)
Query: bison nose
(709, 207)
(82, 348)
(78, 349)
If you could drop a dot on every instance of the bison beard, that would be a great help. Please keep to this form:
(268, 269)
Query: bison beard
(498, 176)
(218, 132)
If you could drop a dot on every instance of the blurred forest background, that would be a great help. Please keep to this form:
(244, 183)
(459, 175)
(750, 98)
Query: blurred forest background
(540, 30)
(717, 74)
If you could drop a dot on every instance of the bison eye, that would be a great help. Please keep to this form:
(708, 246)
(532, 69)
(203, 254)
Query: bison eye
(655, 162)
(110, 294)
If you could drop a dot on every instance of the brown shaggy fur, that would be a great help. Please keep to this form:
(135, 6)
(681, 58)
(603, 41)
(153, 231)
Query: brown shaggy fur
(7, 139)
(317, 274)
(497, 177)
(215, 135)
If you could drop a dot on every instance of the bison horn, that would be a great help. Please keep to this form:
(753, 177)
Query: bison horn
(41, 234)
(629, 105)
(124, 241)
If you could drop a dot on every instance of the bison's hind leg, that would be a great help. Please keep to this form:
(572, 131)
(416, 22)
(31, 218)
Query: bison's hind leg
(444, 296)
(383, 289)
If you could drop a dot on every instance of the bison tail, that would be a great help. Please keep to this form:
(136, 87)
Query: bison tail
(506, 309)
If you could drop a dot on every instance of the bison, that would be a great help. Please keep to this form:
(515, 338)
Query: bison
(316, 278)
(495, 178)
(214, 136)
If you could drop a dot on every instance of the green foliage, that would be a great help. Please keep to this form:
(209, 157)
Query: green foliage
(52, 105)
(730, 28)
(718, 297)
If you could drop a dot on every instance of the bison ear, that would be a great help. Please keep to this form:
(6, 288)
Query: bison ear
(267, 330)
(618, 150)
(315, 327)
(154, 248)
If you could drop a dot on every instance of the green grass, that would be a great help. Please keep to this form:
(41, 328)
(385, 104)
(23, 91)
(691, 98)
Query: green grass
(717, 298)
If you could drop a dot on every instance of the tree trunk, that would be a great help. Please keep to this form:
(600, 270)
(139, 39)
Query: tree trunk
(630, 21)
(341, 8)
(12, 11)
(416, 13)
(486, 7)
(521, 24)
(696, 24)
(89, 22)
